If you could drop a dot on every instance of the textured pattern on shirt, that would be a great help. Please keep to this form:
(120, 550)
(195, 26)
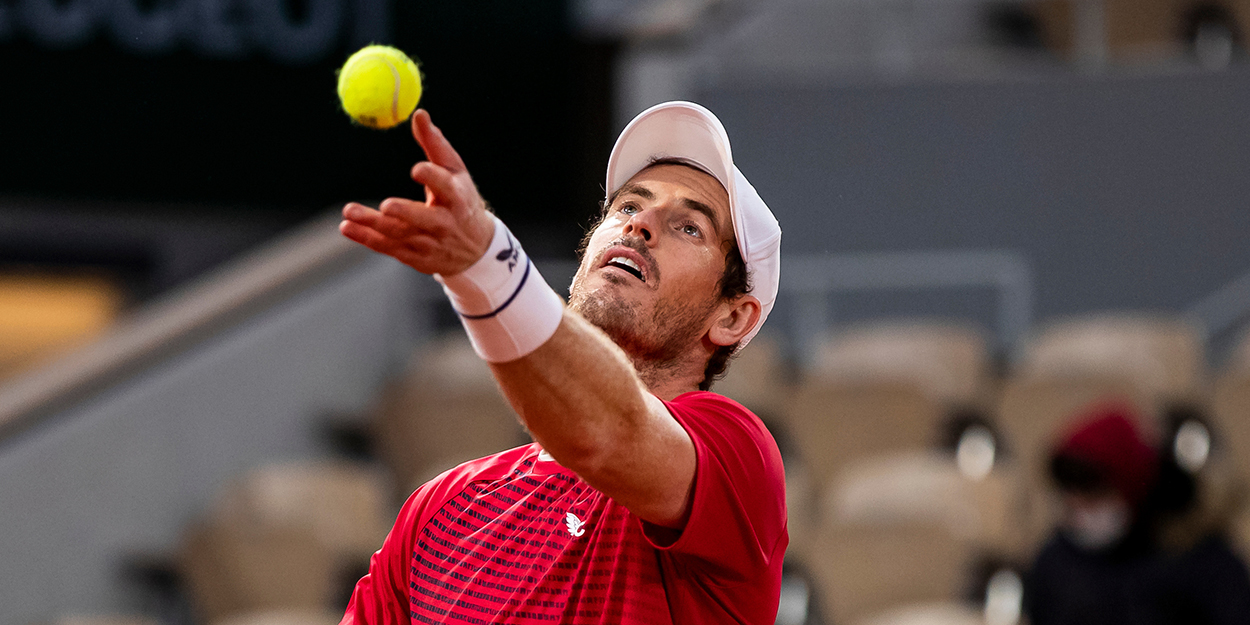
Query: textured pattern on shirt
(534, 547)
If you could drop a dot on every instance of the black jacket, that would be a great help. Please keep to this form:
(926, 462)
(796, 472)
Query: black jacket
(1137, 584)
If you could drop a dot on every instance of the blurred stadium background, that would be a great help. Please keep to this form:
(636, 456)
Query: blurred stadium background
(995, 212)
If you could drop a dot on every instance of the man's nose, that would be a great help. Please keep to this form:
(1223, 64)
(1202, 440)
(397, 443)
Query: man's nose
(641, 224)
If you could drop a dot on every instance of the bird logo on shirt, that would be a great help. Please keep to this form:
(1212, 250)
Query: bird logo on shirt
(576, 526)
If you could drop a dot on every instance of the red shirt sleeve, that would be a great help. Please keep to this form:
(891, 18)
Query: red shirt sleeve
(736, 530)
(381, 596)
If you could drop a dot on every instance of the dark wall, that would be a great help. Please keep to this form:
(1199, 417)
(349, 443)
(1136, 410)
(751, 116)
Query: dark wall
(89, 114)
(1123, 192)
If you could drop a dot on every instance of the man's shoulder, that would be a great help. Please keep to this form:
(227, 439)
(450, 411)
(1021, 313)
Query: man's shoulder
(494, 466)
(710, 400)
(710, 404)
(718, 421)
(454, 480)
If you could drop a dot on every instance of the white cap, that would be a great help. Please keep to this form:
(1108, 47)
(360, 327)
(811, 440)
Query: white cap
(688, 132)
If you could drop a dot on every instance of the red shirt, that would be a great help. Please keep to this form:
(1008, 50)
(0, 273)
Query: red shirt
(515, 538)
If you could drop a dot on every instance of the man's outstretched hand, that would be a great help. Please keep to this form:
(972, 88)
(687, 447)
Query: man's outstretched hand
(447, 232)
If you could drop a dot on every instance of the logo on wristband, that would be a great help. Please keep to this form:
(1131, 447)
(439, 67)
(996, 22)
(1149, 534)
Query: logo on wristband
(511, 254)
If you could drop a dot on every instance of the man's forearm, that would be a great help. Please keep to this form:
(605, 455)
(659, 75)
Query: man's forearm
(581, 399)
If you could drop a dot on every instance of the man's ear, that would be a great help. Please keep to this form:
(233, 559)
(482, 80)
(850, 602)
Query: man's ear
(734, 320)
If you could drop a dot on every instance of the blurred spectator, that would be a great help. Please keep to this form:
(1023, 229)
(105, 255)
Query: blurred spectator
(1106, 564)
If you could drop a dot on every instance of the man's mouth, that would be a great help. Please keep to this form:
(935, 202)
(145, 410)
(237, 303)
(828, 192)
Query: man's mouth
(628, 265)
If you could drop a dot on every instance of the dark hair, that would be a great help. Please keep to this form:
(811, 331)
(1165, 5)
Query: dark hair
(733, 283)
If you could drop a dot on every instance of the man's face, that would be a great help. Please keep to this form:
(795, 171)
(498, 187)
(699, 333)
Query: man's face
(650, 273)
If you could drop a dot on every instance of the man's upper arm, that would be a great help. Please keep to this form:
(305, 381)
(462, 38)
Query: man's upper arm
(375, 600)
(381, 596)
(737, 518)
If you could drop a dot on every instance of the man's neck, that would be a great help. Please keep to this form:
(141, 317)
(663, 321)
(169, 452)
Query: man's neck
(667, 380)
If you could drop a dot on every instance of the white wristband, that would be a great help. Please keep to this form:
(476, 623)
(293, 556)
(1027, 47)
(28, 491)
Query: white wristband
(503, 302)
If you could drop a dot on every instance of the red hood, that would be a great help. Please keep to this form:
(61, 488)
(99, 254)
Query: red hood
(1106, 436)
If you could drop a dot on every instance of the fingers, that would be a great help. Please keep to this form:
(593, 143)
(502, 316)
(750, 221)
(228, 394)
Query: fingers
(410, 251)
(436, 146)
(367, 236)
(382, 244)
(398, 218)
(438, 181)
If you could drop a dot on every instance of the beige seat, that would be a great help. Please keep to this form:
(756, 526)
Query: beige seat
(344, 505)
(863, 570)
(284, 617)
(941, 613)
(1229, 468)
(928, 487)
(903, 530)
(100, 619)
(233, 569)
(1230, 415)
(757, 378)
(281, 536)
(949, 362)
(1032, 413)
(802, 512)
(1163, 357)
(446, 405)
(836, 424)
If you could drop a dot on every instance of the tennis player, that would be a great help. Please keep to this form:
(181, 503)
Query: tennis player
(645, 499)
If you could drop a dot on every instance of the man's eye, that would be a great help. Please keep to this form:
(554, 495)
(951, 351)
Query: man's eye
(629, 209)
(690, 230)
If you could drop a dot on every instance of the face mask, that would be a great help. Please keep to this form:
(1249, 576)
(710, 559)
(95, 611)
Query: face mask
(1096, 526)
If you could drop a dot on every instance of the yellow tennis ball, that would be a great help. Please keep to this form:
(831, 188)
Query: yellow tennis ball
(379, 86)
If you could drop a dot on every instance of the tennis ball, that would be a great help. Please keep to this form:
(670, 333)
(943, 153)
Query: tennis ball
(379, 86)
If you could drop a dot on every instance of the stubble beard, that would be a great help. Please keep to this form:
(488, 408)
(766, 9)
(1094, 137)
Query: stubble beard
(656, 340)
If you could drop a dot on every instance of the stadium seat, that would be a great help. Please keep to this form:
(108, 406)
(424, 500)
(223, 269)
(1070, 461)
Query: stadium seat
(927, 487)
(284, 617)
(233, 569)
(802, 511)
(1230, 414)
(949, 362)
(941, 613)
(899, 534)
(1163, 357)
(757, 378)
(1230, 451)
(345, 505)
(864, 569)
(836, 424)
(1032, 412)
(96, 619)
(446, 406)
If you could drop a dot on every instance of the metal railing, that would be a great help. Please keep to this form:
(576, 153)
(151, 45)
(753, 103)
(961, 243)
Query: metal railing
(180, 319)
(813, 280)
